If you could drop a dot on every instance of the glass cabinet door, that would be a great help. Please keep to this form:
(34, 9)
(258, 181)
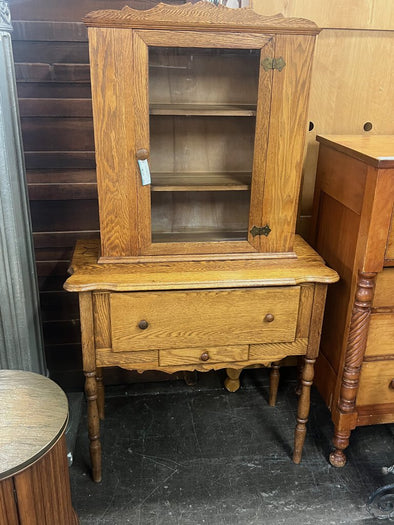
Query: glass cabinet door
(202, 105)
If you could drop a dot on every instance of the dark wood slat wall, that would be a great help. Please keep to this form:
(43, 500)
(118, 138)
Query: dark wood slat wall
(52, 72)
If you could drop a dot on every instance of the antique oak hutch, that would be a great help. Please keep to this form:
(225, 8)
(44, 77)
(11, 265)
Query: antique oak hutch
(199, 118)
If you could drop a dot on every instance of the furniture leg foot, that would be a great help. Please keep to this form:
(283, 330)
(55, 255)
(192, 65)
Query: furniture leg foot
(93, 425)
(100, 392)
(190, 378)
(341, 441)
(274, 383)
(303, 408)
(231, 382)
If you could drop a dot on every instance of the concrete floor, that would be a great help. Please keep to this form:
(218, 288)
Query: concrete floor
(180, 455)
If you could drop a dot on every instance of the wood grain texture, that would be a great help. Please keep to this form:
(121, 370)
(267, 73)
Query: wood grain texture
(102, 320)
(374, 150)
(43, 490)
(380, 340)
(48, 415)
(384, 291)
(89, 369)
(182, 319)
(358, 14)
(375, 381)
(286, 143)
(87, 274)
(204, 16)
(113, 112)
(261, 140)
(190, 356)
(8, 508)
(275, 351)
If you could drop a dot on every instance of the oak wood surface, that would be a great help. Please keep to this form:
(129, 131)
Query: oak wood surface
(182, 319)
(204, 16)
(190, 356)
(87, 274)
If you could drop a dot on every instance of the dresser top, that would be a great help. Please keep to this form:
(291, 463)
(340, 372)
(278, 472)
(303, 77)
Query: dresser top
(376, 150)
(34, 414)
(88, 275)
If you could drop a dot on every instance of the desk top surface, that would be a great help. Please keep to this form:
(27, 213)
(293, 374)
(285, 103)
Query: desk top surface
(33, 415)
(89, 275)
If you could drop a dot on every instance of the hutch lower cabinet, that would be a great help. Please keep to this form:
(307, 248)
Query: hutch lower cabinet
(200, 113)
(201, 316)
(353, 229)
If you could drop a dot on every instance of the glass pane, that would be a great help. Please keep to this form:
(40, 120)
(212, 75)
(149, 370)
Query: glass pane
(202, 126)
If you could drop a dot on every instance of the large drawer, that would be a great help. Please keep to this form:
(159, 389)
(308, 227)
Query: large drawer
(376, 383)
(182, 319)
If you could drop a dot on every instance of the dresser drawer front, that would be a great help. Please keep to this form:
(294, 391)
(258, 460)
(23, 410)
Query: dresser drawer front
(200, 356)
(376, 383)
(384, 291)
(380, 335)
(159, 320)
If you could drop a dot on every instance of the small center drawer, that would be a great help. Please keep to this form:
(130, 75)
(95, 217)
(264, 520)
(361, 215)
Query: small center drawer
(160, 320)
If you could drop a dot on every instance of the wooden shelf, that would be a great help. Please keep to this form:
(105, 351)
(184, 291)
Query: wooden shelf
(229, 181)
(220, 110)
(199, 236)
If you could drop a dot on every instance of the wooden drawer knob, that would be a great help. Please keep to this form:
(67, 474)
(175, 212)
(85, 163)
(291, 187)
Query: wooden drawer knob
(391, 384)
(204, 356)
(143, 324)
(269, 318)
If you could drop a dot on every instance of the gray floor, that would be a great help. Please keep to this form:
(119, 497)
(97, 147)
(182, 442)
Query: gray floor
(174, 454)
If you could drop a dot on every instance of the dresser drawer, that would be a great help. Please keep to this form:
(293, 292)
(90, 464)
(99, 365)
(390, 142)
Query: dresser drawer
(380, 335)
(384, 291)
(376, 383)
(183, 319)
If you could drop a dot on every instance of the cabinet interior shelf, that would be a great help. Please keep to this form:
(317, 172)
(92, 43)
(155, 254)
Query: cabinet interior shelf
(228, 181)
(221, 110)
(199, 236)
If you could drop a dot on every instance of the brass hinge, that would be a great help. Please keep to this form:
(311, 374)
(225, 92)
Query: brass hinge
(264, 230)
(273, 63)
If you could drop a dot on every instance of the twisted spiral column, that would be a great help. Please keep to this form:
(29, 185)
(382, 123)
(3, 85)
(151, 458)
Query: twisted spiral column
(356, 344)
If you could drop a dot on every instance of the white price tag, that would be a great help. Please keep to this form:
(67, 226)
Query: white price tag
(145, 172)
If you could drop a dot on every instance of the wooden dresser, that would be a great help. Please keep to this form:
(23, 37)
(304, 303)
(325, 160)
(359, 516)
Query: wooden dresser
(353, 230)
(199, 117)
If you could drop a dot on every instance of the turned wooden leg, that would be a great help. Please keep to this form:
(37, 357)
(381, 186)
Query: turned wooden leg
(100, 392)
(345, 416)
(300, 366)
(89, 368)
(93, 424)
(303, 408)
(274, 383)
(231, 382)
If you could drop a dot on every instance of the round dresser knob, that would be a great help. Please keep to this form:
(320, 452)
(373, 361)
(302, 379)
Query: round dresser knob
(269, 318)
(143, 324)
(391, 385)
(204, 356)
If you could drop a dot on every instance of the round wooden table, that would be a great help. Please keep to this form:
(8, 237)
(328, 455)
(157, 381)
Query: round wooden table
(34, 478)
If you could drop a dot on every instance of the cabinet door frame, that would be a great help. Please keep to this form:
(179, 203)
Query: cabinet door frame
(142, 39)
